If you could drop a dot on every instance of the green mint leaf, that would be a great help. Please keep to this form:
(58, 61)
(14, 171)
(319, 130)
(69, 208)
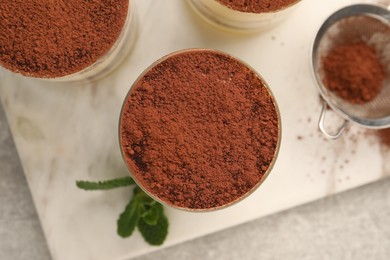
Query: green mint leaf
(155, 234)
(129, 218)
(152, 215)
(105, 185)
(145, 199)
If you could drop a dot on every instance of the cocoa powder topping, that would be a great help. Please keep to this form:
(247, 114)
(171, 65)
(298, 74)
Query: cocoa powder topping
(199, 130)
(257, 6)
(353, 72)
(51, 39)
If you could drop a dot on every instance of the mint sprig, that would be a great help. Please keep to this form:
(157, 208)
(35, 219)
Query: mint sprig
(141, 211)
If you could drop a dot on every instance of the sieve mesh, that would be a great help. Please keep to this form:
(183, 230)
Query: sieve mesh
(360, 23)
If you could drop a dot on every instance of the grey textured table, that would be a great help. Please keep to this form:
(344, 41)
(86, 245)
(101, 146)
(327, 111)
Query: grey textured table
(352, 225)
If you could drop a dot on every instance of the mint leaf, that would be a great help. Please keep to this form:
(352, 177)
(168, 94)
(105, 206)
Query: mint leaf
(152, 214)
(129, 218)
(146, 200)
(155, 234)
(105, 185)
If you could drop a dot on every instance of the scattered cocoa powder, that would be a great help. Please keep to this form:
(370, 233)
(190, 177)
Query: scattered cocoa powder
(199, 130)
(257, 6)
(353, 72)
(51, 39)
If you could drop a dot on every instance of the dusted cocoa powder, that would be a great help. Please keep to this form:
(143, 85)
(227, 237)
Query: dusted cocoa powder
(50, 39)
(353, 72)
(257, 6)
(199, 130)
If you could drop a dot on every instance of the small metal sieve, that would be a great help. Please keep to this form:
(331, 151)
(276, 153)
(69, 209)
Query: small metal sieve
(356, 23)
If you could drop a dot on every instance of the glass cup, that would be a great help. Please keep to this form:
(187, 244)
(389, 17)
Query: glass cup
(124, 144)
(109, 61)
(228, 19)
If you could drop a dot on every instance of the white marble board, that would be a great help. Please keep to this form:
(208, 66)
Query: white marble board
(67, 132)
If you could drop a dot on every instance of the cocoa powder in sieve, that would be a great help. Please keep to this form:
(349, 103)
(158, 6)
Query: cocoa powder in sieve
(199, 130)
(257, 6)
(51, 39)
(353, 72)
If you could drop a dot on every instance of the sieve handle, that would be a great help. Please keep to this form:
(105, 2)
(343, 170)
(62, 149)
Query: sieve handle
(321, 124)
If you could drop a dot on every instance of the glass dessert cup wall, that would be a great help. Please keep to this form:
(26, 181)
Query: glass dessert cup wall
(227, 19)
(132, 153)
